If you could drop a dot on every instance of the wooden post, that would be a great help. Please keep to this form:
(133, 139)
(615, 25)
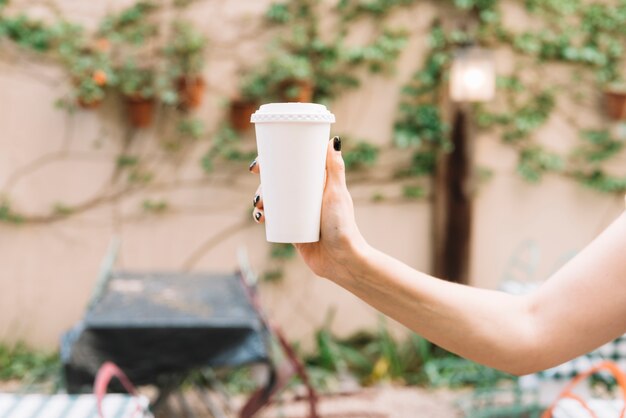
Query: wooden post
(452, 204)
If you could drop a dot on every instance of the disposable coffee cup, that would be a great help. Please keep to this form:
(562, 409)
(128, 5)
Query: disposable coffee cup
(292, 139)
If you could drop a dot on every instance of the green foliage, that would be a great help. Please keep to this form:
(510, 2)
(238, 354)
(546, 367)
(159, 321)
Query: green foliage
(420, 125)
(136, 81)
(599, 146)
(137, 175)
(279, 255)
(351, 9)
(535, 161)
(508, 401)
(131, 25)
(234, 154)
(586, 44)
(278, 13)
(585, 36)
(413, 192)
(376, 56)
(456, 372)
(192, 128)
(578, 33)
(21, 363)
(62, 209)
(273, 275)
(282, 251)
(182, 4)
(595, 43)
(126, 160)
(7, 214)
(92, 73)
(378, 197)
(360, 155)
(154, 206)
(486, 10)
(603, 182)
(376, 356)
(323, 61)
(92, 59)
(28, 33)
(520, 123)
(225, 145)
(185, 50)
(283, 68)
(206, 162)
(373, 357)
(238, 380)
(423, 163)
(511, 83)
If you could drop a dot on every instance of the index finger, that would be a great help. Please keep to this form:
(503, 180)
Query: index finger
(254, 166)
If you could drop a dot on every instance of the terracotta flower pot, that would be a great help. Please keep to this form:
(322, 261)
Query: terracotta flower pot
(240, 112)
(191, 91)
(88, 105)
(100, 78)
(304, 88)
(140, 111)
(615, 101)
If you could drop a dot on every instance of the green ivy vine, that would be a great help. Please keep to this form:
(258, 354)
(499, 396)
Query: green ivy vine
(302, 56)
(112, 58)
(110, 61)
(305, 64)
(586, 37)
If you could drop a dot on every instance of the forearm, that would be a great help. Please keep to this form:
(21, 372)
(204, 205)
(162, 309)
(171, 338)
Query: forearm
(490, 327)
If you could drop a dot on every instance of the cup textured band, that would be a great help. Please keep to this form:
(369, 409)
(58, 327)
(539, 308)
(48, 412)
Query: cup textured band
(292, 112)
(292, 117)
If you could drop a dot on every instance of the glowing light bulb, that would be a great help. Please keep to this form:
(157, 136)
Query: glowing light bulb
(474, 78)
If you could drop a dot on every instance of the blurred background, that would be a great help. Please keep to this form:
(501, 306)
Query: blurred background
(483, 140)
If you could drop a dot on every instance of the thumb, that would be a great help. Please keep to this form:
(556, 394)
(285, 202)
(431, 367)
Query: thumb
(335, 167)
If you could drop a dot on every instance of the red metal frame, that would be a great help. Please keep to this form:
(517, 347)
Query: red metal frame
(278, 379)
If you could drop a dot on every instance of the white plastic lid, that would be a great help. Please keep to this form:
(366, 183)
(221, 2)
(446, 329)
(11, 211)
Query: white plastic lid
(292, 112)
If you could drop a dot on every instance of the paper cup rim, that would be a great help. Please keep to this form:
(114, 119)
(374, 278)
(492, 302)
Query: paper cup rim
(292, 112)
(292, 118)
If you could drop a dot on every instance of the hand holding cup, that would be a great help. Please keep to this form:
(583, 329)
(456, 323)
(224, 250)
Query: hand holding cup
(341, 242)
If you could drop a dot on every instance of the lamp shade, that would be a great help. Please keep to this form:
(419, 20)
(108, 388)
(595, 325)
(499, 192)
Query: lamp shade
(472, 76)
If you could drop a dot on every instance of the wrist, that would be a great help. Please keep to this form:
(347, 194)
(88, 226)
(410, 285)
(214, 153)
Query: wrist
(355, 263)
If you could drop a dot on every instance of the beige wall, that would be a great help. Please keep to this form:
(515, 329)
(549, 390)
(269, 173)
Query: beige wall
(47, 271)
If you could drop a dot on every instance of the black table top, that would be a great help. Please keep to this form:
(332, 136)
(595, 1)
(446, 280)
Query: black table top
(172, 300)
(161, 324)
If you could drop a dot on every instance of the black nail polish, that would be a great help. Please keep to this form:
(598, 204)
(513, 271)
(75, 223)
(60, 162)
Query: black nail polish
(337, 143)
(257, 216)
(255, 200)
(252, 164)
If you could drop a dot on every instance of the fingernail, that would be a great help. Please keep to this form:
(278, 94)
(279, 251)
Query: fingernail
(255, 200)
(257, 216)
(337, 143)
(252, 164)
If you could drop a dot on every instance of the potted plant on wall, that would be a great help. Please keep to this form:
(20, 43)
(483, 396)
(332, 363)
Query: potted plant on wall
(252, 92)
(615, 100)
(89, 67)
(292, 78)
(185, 54)
(286, 77)
(92, 75)
(137, 85)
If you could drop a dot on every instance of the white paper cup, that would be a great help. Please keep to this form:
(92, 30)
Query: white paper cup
(291, 141)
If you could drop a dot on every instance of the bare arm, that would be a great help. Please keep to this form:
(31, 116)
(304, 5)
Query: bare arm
(581, 307)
